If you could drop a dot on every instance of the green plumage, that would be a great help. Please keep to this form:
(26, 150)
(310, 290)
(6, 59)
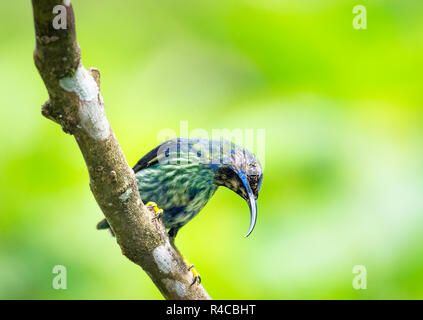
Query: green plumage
(181, 175)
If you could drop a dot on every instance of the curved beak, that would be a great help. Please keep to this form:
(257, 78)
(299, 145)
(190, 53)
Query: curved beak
(252, 203)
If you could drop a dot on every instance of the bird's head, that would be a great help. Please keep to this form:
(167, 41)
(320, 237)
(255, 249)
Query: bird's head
(241, 172)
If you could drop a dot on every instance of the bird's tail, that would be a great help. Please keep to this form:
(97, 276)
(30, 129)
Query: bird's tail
(103, 224)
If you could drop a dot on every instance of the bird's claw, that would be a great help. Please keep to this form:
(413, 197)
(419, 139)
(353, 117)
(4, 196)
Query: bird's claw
(196, 275)
(158, 212)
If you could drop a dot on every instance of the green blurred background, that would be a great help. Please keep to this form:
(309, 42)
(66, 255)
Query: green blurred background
(342, 109)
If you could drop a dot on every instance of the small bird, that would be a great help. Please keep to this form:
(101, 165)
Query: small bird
(180, 175)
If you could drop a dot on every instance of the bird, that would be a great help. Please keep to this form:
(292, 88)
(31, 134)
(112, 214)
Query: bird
(180, 175)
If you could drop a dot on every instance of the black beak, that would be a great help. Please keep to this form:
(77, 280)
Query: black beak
(252, 203)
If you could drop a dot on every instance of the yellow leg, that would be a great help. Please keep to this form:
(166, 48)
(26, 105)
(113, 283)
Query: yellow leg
(156, 209)
(191, 268)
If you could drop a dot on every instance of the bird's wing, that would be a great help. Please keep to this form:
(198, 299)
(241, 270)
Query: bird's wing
(183, 149)
(149, 159)
(156, 154)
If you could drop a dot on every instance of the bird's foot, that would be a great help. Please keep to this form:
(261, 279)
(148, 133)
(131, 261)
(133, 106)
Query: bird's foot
(195, 274)
(158, 212)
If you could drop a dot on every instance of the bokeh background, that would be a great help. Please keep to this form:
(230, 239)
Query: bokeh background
(342, 109)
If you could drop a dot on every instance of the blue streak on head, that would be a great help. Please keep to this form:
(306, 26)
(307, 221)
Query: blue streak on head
(243, 177)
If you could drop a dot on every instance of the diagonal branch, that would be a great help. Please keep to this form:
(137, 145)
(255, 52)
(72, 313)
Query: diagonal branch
(76, 104)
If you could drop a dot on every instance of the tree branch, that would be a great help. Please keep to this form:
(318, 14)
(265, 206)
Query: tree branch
(76, 104)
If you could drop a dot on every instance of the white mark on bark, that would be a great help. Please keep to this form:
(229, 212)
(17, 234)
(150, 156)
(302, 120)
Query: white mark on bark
(82, 83)
(126, 195)
(67, 3)
(91, 113)
(175, 286)
(180, 288)
(163, 258)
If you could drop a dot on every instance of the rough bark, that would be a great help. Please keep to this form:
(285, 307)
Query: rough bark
(76, 104)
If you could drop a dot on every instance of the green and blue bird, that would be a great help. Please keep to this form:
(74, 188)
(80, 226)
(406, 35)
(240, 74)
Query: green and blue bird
(180, 176)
